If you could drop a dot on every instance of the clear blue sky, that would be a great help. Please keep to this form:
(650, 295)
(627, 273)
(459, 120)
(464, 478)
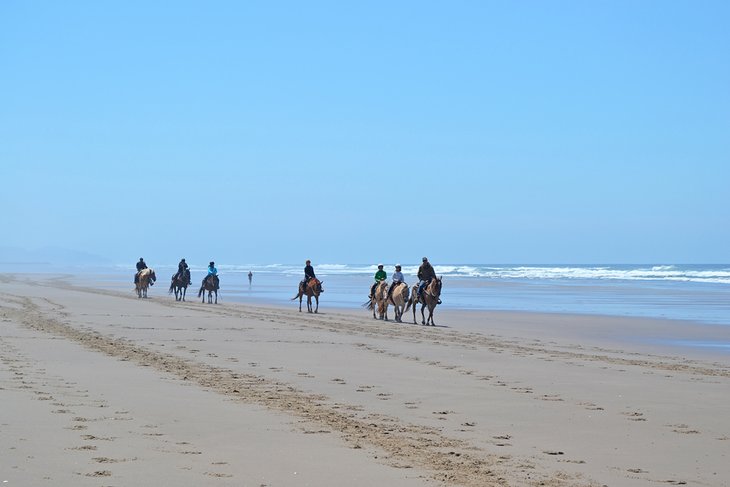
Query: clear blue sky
(261, 132)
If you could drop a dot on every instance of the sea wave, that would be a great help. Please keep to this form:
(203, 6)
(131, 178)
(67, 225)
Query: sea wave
(711, 273)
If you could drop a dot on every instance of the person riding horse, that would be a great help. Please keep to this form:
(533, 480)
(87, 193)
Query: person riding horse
(141, 265)
(212, 271)
(308, 274)
(183, 272)
(397, 279)
(380, 276)
(425, 274)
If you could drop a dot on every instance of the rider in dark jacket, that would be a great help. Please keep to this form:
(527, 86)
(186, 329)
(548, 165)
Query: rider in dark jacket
(308, 274)
(183, 271)
(140, 266)
(425, 274)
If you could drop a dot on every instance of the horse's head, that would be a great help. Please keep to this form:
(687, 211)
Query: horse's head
(153, 277)
(435, 287)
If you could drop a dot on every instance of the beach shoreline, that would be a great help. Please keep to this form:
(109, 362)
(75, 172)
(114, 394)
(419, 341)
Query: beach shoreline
(276, 397)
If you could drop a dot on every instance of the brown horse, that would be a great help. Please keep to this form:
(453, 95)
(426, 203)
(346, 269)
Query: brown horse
(145, 278)
(429, 298)
(379, 301)
(179, 284)
(210, 285)
(312, 288)
(399, 298)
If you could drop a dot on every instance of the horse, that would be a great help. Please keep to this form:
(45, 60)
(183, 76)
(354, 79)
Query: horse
(145, 278)
(430, 298)
(179, 283)
(210, 285)
(312, 288)
(379, 301)
(399, 298)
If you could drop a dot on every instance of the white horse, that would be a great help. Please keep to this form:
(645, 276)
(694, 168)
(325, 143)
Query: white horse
(144, 278)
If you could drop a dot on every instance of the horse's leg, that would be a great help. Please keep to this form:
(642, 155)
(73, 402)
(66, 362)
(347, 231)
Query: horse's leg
(423, 317)
(216, 296)
(184, 290)
(316, 298)
(415, 302)
(300, 303)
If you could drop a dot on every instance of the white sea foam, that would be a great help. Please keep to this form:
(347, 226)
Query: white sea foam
(718, 274)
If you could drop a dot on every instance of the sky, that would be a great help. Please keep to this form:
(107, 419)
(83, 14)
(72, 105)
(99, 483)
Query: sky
(355, 132)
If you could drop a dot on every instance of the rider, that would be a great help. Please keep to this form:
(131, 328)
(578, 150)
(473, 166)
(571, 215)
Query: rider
(212, 271)
(397, 279)
(380, 276)
(425, 274)
(182, 271)
(140, 266)
(308, 274)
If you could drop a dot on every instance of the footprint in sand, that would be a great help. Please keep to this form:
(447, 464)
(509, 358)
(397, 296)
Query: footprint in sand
(590, 406)
(550, 397)
(634, 415)
(99, 473)
(684, 429)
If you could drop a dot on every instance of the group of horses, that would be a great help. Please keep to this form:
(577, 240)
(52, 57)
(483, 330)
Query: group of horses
(179, 285)
(402, 300)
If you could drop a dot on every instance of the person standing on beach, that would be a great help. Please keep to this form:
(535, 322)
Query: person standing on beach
(380, 275)
(425, 274)
(250, 277)
(140, 266)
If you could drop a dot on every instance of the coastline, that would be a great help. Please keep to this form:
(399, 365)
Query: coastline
(494, 398)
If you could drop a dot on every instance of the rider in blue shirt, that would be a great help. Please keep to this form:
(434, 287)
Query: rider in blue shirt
(212, 271)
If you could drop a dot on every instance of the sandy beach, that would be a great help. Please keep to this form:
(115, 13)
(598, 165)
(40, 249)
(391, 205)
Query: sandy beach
(101, 388)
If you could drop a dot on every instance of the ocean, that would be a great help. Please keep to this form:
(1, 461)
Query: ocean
(698, 292)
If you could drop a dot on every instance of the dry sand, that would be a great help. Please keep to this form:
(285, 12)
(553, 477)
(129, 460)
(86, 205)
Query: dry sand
(100, 388)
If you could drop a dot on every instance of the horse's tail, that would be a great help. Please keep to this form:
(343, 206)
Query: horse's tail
(200, 292)
(172, 287)
(295, 297)
(410, 302)
(368, 304)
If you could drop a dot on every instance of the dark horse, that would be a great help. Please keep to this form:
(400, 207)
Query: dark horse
(312, 288)
(179, 284)
(430, 298)
(210, 285)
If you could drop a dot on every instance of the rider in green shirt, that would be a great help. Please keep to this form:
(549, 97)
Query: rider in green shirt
(379, 276)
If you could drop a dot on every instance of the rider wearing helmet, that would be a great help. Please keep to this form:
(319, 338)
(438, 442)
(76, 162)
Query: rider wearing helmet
(183, 271)
(397, 279)
(380, 275)
(212, 271)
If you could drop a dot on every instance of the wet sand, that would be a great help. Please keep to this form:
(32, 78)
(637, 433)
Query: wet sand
(100, 388)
